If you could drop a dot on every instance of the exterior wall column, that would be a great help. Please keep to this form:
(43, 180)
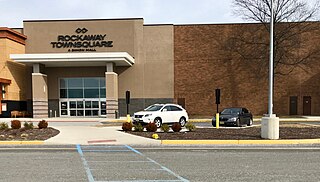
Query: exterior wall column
(39, 93)
(111, 92)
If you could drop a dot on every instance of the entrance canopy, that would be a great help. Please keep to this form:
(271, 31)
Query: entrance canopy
(75, 59)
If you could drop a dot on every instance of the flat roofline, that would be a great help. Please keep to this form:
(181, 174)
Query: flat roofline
(243, 23)
(61, 20)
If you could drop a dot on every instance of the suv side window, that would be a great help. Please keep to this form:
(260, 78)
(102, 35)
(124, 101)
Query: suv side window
(167, 108)
(245, 110)
(175, 108)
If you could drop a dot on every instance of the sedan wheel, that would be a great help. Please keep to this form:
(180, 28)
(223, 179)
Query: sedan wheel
(238, 123)
(250, 122)
(158, 122)
(182, 121)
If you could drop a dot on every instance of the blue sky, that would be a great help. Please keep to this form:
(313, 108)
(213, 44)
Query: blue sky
(13, 12)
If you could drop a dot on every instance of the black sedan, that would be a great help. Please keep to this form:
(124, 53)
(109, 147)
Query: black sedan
(235, 116)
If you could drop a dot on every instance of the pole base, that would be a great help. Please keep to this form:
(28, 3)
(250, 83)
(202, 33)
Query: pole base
(270, 127)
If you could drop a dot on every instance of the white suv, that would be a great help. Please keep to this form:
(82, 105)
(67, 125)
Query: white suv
(161, 114)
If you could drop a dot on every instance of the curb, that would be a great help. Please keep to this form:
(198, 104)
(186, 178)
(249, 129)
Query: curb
(240, 142)
(34, 142)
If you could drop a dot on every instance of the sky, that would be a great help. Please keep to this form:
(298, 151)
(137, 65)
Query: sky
(13, 12)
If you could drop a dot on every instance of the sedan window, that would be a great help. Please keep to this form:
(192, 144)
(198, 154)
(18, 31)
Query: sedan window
(231, 111)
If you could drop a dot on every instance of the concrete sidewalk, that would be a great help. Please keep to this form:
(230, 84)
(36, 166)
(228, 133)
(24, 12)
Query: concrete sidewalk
(94, 133)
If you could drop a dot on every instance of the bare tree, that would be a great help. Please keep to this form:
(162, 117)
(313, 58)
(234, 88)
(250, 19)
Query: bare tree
(294, 22)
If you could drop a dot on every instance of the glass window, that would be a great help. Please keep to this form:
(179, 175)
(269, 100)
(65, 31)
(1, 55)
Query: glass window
(102, 83)
(73, 104)
(75, 93)
(93, 87)
(91, 82)
(79, 112)
(91, 93)
(63, 83)
(64, 112)
(88, 104)
(168, 108)
(64, 105)
(95, 112)
(79, 104)
(88, 112)
(95, 104)
(102, 93)
(75, 83)
(72, 112)
(175, 108)
(103, 105)
(63, 93)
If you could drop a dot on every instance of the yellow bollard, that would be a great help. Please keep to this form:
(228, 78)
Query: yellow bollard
(217, 121)
(128, 118)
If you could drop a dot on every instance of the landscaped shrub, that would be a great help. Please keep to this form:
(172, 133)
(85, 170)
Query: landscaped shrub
(4, 126)
(138, 127)
(28, 126)
(15, 124)
(190, 127)
(151, 127)
(42, 124)
(127, 126)
(176, 127)
(165, 128)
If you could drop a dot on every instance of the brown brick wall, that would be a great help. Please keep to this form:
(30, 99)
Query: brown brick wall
(202, 63)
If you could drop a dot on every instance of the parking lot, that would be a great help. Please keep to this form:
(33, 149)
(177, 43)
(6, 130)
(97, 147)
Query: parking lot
(167, 164)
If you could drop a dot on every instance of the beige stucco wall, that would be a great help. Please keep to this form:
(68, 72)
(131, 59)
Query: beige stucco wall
(41, 33)
(151, 46)
(159, 64)
(40, 87)
(12, 70)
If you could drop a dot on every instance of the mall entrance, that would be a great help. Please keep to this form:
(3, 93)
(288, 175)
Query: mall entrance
(82, 97)
(82, 108)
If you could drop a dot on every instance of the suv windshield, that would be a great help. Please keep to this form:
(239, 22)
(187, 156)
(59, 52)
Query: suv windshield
(231, 111)
(154, 108)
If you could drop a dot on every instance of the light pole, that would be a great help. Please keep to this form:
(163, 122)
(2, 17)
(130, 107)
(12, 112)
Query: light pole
(270, 103)
(270, 124)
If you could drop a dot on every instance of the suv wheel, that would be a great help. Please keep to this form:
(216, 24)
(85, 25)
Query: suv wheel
(182, 121)
(158, 122)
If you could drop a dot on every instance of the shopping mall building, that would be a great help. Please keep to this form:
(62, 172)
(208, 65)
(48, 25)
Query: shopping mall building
(82, 68)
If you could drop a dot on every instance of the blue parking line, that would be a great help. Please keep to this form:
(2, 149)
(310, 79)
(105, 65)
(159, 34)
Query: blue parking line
(85, 164)
(134, 150)
(164, 168)
(168, 170)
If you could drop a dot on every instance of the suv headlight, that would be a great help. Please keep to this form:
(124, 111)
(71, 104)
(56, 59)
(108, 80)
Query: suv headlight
(147, 115)
(233, 119)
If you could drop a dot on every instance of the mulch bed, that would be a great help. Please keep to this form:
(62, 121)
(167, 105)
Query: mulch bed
(250, 133)
(28, 134)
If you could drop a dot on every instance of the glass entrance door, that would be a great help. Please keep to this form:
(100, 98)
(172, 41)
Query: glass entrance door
(82, 108)
(82, 97)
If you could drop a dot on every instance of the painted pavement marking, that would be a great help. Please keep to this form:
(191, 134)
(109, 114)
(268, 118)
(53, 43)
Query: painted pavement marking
(85, 150)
